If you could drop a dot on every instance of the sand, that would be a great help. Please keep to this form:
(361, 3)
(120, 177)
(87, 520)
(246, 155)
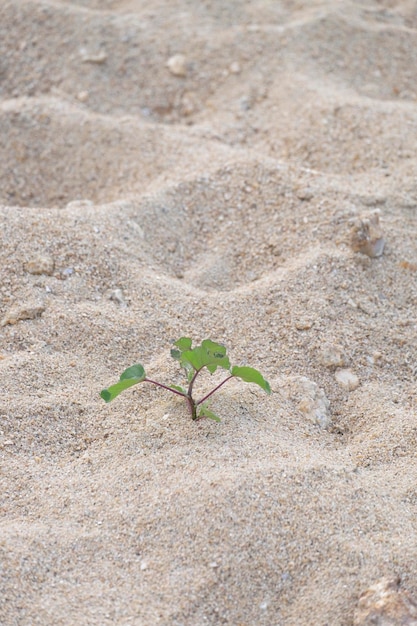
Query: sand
(174, 168)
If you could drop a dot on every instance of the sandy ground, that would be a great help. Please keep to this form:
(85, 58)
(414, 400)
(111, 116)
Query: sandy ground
(146, 196)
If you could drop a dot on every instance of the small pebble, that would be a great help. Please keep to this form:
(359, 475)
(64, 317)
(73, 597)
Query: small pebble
(116, 295)
(347, 379)
(97, 59)
(309, 398)
(177, 65)
(305, 194)
(367, 236)
(304, 323)
(332, 356)
(188, 104)
(385, 604)
(43, 264)
(234, 68)
(82, 96)
(374, 200)
(22, 312)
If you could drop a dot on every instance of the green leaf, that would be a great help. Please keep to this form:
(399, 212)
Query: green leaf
(251, 375)
(184, 343)
(178, 388)
(181, 345)
(205, 412)
(210, 354)
(176, 354)
(215, 349)
(134, 371)
(131, 376)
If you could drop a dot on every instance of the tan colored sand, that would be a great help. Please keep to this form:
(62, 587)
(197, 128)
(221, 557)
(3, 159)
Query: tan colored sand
(221, 204)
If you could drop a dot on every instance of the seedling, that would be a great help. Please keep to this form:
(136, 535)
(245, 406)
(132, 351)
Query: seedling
(210, 356)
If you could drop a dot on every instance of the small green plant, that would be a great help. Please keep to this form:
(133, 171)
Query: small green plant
(209, 355)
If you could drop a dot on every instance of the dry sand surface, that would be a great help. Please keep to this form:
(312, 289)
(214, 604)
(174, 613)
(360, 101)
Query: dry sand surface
(184, 167)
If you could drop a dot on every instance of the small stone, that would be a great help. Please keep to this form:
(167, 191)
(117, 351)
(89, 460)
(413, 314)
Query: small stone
(385, 604)
(82, 96)
(19, 312)
(304, 323)
(305, 194)
(188, 104)
(43, 264)
(309, 398)
(177, 65)
(116, 295)
(143, 566)
(373, 200)
(367, 236)
(68, 271)
(332, 356)
(235, 68)
(347, 379)
(98, 59)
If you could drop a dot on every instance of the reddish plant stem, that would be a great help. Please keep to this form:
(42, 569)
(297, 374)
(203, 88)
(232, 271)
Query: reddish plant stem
(213, 390)
(154, 382)
(192, 381)
(190, 401)
(192, 404)
(193, 407)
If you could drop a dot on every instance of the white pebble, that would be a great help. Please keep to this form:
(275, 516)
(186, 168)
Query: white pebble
(42, 264)
(309, 398)
(116, 295)
(332, 356)
(234, 68)
(347, 379)
(95, 58)
(177, 65)
(82, 96)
